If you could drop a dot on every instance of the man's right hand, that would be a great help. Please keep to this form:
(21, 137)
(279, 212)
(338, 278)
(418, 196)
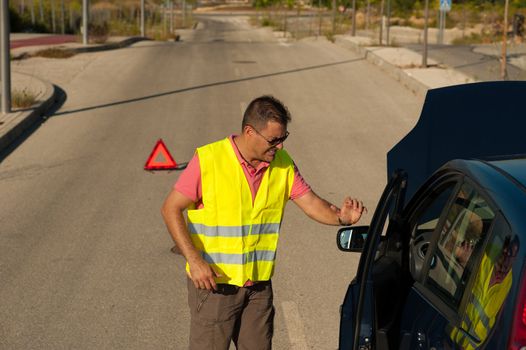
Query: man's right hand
(203, 275)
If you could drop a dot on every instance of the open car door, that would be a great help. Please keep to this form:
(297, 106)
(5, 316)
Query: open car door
(361, 327)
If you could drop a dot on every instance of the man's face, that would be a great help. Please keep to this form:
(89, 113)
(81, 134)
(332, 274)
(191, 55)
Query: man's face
(267, 141)
(505, 261)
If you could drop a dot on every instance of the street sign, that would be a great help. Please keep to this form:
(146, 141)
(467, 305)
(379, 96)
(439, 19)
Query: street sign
(445, 5)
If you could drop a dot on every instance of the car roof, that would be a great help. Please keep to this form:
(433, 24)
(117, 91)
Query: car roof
(467, 121)
(513, 167)
(502, 179)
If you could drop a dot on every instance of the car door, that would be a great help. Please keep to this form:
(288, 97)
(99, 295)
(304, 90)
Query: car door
(358, 321)
(450, 226)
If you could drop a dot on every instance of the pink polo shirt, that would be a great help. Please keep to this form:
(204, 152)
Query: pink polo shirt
(189, 183)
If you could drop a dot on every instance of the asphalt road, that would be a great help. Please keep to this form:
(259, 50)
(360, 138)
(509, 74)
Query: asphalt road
(85, 259)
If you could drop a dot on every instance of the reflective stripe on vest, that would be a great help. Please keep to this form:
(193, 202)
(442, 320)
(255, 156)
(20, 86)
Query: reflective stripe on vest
(481, 315)
(236, 235)
(253, 256)
(232, 231)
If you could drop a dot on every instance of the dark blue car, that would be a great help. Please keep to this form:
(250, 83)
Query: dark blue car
(442, 260)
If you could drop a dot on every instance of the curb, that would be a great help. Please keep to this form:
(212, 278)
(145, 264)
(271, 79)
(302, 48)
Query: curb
(18, 122)
(110, 46)
(84, 49)
(399, 74)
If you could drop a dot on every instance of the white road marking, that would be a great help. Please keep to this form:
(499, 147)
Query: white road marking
(294, 325)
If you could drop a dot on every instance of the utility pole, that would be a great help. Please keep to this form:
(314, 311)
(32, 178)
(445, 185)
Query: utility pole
(172, 17)
(319, 15)
(353, 28)
(163, 14)
(85, 21)
(71, 17)
(62, 17)
(5, 61)
(504, 58)
(284, 19)
(41, 8)
(32, 12)
(53, 22)
(333, 17)
(426, 18)
(143, 32)
(388, 23)
(184, 13)
(380, 40)
(440, 33)
(368, 15)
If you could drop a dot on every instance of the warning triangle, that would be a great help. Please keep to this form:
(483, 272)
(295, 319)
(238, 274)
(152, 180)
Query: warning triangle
(160, 158)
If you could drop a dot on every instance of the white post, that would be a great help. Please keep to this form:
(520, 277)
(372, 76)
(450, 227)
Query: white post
(163, 9)
(62, 17)
(41, 8)
(353, 28)
(504, 55)
(426, 19)
(171, 16)
(85, 21)
(143, 31)
(32, 11)
(184, 13)
(5, 61)
(53, 18)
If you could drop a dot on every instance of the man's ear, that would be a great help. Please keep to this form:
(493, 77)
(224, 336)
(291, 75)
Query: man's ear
(247, 130)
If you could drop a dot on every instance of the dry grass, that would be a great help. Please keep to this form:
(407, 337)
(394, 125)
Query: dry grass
(22, 98)
(55, 53)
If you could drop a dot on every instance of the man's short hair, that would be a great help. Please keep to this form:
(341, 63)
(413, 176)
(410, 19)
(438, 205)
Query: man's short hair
(264, 109)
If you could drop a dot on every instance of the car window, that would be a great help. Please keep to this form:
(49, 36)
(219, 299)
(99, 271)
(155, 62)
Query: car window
(423, 225)
(490, 288)
(428, 218)
(466, 223)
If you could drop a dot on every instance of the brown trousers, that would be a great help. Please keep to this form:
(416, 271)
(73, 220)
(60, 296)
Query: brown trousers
(244, 315)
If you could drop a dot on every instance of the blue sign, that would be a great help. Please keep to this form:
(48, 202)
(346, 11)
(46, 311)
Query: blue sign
(445, 5)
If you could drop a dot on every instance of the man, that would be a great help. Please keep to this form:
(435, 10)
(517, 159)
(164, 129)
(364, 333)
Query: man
(235, 191)
(490, 290)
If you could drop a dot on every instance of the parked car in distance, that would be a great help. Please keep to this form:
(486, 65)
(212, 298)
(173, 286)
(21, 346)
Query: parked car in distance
(442, 264)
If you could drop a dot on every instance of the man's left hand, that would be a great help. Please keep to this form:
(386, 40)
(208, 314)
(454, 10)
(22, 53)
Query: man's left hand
(351, 211)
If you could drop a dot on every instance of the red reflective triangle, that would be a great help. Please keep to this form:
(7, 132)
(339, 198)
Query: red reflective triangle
(160, 159)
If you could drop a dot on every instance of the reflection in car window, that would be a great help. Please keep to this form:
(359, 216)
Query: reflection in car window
(490, 289)
(428, 219)
(424, 224)
(467, 223)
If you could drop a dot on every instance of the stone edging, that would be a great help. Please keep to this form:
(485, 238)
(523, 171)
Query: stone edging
(16, 123)
(397, 73)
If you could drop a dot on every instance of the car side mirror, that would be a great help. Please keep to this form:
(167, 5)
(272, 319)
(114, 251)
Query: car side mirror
(352, 239)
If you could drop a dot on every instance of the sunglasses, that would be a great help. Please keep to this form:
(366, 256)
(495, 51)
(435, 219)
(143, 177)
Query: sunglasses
(275, 141)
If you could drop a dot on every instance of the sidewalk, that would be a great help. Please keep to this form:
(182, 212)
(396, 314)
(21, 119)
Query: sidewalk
(14, 124)
(405, 65)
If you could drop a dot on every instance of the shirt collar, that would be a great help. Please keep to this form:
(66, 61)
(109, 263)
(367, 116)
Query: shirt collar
(261, 166)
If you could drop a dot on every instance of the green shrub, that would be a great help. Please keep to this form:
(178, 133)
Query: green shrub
(99, 32)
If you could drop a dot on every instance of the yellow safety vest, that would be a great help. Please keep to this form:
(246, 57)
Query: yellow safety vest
(239, 238)
(483, 308)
